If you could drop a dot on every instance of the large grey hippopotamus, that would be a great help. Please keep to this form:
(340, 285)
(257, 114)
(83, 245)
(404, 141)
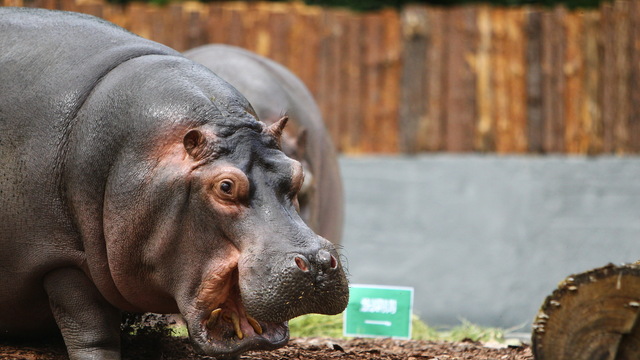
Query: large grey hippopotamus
(135, 179)
(273, 91)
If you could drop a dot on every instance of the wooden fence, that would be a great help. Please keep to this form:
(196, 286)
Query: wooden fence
(473, 78)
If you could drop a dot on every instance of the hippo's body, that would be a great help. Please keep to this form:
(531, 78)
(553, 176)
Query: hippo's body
(132, 178)
(272, 91)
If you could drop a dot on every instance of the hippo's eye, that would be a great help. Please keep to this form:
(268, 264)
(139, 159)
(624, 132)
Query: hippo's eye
(226, 187)
(230, 186)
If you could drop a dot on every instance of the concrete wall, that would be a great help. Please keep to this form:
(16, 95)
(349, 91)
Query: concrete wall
(487, 238)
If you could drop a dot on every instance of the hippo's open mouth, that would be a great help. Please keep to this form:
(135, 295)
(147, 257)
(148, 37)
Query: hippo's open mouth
(222, 326)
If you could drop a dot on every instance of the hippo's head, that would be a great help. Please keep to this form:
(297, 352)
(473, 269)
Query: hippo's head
(276, 267)
(200, 211)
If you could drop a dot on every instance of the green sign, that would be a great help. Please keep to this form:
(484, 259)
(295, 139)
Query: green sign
(379, 311)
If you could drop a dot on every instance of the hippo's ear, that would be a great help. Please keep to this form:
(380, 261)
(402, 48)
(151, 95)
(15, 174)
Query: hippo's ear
(194, 143)
(301, 141)
(276, 128)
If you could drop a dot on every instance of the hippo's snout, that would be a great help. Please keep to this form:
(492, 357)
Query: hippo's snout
(306, 282)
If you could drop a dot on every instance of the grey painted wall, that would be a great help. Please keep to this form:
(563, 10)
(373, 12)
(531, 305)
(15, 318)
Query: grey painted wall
(486, 238)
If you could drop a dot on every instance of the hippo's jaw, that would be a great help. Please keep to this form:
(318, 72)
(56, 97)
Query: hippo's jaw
(220, 325)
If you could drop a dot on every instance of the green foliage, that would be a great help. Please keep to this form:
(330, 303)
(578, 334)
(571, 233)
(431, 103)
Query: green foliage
(473, 332)
(316, 325)
(331, 326)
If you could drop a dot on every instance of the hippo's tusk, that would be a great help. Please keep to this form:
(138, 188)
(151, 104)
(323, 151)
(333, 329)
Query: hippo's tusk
(211, 322)
(235, 319)
(255, 325)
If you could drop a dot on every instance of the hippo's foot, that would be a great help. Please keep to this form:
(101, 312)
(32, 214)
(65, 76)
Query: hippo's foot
(222, 327)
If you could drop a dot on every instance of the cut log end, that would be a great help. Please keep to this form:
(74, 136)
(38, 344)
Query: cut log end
(592, 315)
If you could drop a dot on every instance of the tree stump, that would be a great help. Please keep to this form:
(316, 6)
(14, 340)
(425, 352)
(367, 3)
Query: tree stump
(591, 316)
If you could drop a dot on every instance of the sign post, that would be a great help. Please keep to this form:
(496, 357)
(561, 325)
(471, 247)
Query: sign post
(379, 311)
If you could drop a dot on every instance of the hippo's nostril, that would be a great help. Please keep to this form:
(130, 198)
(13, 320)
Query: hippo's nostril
(302, 264)
(326, 260)
(334, 262)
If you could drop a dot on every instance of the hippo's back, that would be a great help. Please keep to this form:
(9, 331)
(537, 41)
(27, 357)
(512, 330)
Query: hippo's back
(47, 71)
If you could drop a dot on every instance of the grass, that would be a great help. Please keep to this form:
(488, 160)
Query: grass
(313, 325)
(331, 326)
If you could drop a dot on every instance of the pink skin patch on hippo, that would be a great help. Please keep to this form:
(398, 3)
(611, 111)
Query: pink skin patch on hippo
(221, 316)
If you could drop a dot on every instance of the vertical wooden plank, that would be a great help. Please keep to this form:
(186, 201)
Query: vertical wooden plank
(573, 70)
(607, 94)
(116, 14)
(484, 139)
(16, 3)
(373, 92)
(460, 93)
(534, 81)
(296, 41)
(280, 27)
(499, 65)
(553, 81)
(138, 11)
(67, 5)
(634, 78)
(413, 92)
(390, 81)
(214, 27)
(622, 73)
(591, 119)
(233, 21)
(508, 63)
(195, 15)
(333, 69)
(309, 42)
(352, 48)
(92, 8)
(516, 42)
(330, 75)
(431, 129)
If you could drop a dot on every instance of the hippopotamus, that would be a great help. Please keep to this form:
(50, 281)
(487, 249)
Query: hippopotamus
(273, 90)
(134, 179)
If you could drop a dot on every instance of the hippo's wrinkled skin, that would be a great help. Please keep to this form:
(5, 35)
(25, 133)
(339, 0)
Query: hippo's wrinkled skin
(135, 179)
(273, 91)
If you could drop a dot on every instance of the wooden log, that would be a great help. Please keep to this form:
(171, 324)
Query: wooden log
(413, 92)
(591, 315)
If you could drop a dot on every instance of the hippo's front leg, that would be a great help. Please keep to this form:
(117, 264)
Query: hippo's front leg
(90, 326)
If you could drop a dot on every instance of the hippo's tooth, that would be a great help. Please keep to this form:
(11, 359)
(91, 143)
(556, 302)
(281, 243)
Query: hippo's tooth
(255, 325)
(235, 319)
(211, 322)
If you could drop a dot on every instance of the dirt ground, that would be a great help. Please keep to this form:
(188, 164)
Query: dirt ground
(298, 349)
